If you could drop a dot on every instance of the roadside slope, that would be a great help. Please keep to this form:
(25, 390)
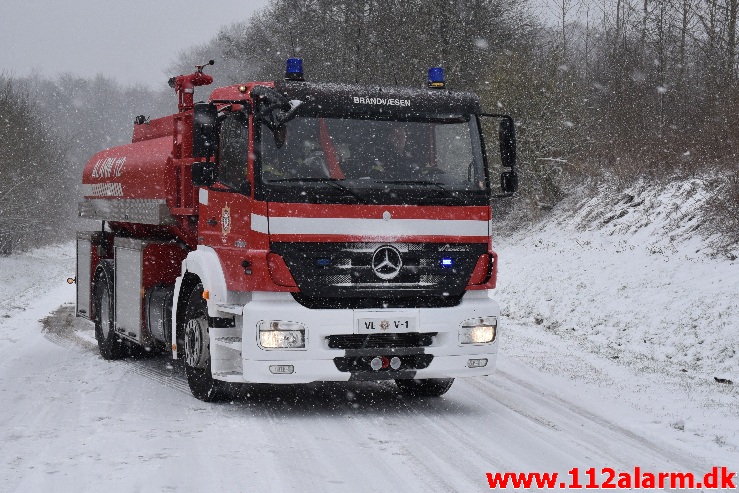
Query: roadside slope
(626, 280)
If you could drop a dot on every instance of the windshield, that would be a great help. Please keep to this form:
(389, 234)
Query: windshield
(361, 159)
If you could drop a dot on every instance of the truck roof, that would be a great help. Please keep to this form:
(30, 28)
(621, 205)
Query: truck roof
(374, 101)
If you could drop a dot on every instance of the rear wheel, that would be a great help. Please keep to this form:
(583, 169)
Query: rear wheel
(197, 350)
(430, 387)
(110, 345)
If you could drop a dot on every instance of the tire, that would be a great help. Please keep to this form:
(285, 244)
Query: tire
(430, 387)
(197, 350)
(109, 344)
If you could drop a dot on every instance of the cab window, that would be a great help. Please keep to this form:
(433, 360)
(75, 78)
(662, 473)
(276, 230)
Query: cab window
(234, 151)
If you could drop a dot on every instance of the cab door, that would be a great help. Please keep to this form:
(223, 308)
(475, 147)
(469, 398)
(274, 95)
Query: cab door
(225, 207)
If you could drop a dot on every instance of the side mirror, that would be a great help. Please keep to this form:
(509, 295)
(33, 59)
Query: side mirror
(507, 137)
(204, 130)
(204, 174)
(509, 182)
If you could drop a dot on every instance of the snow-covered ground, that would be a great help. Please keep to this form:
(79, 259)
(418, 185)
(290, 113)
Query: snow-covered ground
(611, 344)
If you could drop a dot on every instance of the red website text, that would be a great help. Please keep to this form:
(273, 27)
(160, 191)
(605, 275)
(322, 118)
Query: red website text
(716, 478)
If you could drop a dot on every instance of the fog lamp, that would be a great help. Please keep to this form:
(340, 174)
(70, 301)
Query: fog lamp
(477, 363)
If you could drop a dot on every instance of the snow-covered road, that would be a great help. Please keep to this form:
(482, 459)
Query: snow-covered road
(74, 422)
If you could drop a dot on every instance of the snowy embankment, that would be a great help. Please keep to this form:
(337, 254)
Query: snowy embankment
(644, 307)
(624, 276)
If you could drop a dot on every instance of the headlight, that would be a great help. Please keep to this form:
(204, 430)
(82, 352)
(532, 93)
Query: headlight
(479, 330)
(278, 334)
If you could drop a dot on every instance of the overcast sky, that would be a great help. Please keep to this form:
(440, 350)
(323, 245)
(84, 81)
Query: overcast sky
(132, 41)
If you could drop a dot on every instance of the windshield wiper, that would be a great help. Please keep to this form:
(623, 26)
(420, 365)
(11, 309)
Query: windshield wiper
(445, 191)
(333, 182)
(411, 182)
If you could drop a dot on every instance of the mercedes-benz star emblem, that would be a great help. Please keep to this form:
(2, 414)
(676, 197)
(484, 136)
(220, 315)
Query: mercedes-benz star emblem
(386, 262)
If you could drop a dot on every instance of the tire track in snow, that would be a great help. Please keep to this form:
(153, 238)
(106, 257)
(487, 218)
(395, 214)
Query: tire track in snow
(581, 428)
(61, 328)
(348, 440)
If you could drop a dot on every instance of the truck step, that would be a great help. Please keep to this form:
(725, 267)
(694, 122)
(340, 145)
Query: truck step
(229, 342)
(230, 308)
(226, 373)
(229, 376)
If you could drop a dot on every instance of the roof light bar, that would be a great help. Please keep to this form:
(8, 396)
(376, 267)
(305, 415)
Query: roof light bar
(294, 69)
(436, 78)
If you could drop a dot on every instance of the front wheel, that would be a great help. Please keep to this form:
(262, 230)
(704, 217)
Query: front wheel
(430, 387)
(197, 350)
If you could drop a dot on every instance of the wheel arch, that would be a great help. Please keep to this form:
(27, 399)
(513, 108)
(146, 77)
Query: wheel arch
(201, 266)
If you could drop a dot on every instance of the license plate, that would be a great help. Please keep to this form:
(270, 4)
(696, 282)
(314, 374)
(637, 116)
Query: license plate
(387, 324)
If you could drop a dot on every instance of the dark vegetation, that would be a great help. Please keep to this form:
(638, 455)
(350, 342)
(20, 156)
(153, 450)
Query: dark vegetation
(48, 131)
(33, 187)
(609, 91)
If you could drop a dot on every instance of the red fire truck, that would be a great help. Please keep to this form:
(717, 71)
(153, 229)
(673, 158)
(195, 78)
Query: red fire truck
(291, 232)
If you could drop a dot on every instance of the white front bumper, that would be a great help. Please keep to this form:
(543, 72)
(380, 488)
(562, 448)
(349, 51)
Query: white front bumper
(245, 361)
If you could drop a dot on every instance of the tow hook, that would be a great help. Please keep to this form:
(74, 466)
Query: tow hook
(383, 362)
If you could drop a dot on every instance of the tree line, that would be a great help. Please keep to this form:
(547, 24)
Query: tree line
(49, 128)
(29, 155)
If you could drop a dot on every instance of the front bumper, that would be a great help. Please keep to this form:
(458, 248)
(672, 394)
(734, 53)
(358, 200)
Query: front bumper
(237, 357)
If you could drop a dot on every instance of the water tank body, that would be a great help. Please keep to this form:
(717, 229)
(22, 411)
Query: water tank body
(134, 171)
(145, 187)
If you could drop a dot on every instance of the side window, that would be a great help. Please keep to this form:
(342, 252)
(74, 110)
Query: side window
(454, 150)
(234, 150)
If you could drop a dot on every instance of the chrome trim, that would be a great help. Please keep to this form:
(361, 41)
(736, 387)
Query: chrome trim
(143, 211)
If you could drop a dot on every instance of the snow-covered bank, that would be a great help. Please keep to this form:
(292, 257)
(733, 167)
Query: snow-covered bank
(621, 291)
(629, 278)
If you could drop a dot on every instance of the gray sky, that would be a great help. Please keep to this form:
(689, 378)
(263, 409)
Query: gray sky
(132, 41)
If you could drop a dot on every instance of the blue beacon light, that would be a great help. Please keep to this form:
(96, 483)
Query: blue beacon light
(436, 78)
(447, 262)
(294, 69)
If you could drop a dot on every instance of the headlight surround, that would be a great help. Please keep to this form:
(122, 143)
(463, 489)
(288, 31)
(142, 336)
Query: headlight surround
(479, 330)
(280, 334)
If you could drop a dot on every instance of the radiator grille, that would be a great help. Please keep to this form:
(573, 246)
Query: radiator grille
(345, 270)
